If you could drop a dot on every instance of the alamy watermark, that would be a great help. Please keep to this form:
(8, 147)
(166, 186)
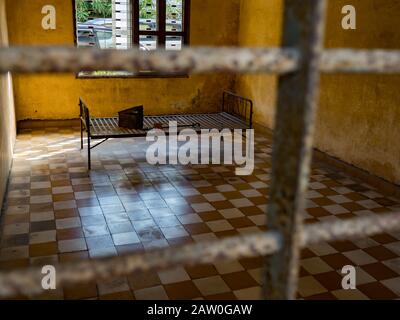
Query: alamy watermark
(349, 281)
(49, 21)
(49, 279)
(349, 20)
(228, 147)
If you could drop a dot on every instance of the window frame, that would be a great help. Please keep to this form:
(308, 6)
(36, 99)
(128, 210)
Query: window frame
(161, 36)
(161, 33)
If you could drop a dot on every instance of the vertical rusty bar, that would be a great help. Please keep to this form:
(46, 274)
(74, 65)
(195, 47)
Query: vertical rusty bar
(186, 22)
(135, 23)
(294, 129)
(162, 24)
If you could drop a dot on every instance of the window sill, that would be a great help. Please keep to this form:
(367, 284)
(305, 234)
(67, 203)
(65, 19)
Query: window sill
(131, 76)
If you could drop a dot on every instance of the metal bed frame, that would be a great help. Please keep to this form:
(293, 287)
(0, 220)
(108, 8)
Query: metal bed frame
(236, 113)
(298, 65)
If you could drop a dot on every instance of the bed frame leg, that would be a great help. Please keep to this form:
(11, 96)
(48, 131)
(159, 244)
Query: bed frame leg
(81, 136)
(89, 160)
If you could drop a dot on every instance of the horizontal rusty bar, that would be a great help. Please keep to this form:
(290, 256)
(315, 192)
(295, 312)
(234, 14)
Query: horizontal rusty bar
(28, 281)
(360, 61)
(351, 228)
(36, 59)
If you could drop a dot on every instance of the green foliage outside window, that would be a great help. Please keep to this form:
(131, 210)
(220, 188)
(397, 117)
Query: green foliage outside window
(174, 13)
(100, 8)
(103, 8)
(146, 6)
(82, 10)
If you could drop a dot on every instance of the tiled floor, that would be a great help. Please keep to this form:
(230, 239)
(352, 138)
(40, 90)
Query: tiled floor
(56, 213)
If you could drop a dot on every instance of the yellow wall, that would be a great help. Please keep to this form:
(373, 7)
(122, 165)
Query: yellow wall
(56, 97)
(7, 118)
(260, 25)
(359, 115)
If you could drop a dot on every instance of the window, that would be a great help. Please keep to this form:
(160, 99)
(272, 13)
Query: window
(124, 24)
(161, 24)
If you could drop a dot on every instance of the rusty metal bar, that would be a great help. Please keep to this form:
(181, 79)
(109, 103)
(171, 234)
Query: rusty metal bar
(189, 60)
(194, 60)
(294, 130)
(357, 61)
(28, 281)
(351, 228)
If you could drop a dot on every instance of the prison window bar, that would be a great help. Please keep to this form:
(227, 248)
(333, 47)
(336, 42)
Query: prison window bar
(298, 92)
(193, 60)
(28, 281)
(293, 142)
(189, 60)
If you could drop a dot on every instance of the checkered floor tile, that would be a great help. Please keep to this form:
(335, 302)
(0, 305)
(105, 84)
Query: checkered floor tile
(55, 212)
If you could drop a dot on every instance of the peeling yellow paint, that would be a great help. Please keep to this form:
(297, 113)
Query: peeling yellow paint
(56, 96)
(359, 115)
(260, 25)
(7, 116)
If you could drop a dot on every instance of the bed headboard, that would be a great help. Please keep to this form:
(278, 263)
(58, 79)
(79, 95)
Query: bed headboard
(238, 106)
(84, 114)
